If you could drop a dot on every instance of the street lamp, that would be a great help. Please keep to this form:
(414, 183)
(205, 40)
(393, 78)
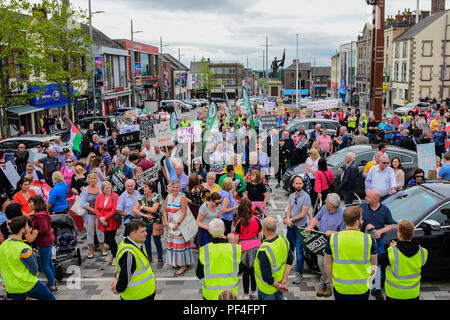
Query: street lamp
(161, 46)
(92, 39)
(133, 66)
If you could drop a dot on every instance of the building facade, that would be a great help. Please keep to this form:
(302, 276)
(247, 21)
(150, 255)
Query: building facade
(304, 78)
(321, 77)
(176, 75)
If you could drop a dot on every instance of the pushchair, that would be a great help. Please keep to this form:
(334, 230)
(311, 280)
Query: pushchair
(65, 233)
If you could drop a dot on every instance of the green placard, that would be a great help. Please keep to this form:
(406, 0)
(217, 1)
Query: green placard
(313, 241)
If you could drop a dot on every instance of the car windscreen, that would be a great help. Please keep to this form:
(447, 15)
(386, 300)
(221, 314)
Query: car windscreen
(410, 204)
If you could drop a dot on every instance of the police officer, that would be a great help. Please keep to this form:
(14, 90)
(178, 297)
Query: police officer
(273, 263)
(350, 258)
(19, 266)
(134, 279)
(404, 260)
(352, 120)
(218, 263)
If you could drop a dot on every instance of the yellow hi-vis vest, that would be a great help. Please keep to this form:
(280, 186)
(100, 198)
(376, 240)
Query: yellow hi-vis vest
(221, 266)
(142, 282)
(17, 278)
(351, 261)
(277, 252)
(352, 121)
(403, 274)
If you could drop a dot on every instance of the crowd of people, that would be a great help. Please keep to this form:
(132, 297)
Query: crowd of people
(226, 190)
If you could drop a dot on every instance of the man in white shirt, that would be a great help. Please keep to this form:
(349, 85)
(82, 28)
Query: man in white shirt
(382, 178)
(148, 150)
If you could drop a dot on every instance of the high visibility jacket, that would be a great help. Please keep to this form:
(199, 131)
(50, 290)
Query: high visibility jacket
(185, 124)
(142, 282)
(403, 274)
(277, 252)
(352, 121)
(351, 261)
(17, 278)
(221, 266)
(363, 124)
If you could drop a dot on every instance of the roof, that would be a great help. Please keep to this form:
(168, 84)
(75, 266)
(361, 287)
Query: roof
(321, 71)
(301, 66)
(102, 40)
(177, 64)
(420, 26)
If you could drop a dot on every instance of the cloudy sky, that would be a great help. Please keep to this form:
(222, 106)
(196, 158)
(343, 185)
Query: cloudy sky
(236, 30)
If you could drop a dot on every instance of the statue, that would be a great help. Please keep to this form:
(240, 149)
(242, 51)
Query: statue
(277, 64)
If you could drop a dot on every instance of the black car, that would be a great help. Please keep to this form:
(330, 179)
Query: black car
(427, 206)
(99, 127)
(364, 154)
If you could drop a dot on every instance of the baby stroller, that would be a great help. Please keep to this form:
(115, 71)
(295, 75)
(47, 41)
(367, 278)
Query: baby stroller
(65, 233)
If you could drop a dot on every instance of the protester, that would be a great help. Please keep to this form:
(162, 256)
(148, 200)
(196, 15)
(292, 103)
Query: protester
(68, 171)
(198, 170)
(23, 193)
(105, 210)
(324, 179)
(210, 184)
(127, 201)
(418, 177)
(256, 191)
(98, 167)
(396, 165)
(229, 205)
(382, 178)
(348, 181)
(78, 179)
(311, 166)
(21, 157)
(237, 179)
(57, 198)
(444, 172)
(48, 165)
(208, 211)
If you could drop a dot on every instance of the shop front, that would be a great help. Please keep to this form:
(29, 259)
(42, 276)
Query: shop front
(115, 100)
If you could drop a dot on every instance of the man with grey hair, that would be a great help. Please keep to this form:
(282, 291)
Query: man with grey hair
(349, 178)
(382, 178)
(331, 221)
(48, 165)
(127, 172)
(219, 263)
(343, 141)
(180, 176)
(273, 263)
(127, 200)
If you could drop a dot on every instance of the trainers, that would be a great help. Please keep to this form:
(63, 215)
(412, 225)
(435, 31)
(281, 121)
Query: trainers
(54, 291)
(277, 186)
(378, 295)
(321, 291)
(327, 292)
(160, 263)
(245, 297)
(253, 295)
(298, 278)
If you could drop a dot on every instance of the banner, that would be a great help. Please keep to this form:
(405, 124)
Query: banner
(299, 141)
(163, 134)
(173, 121)
(315, 242)
(131, 140)
(210, 120)
(246, 102)
(426, 157)
(147, 129)
(148, 175)
(185, 135)
(323, 104)
(117, 182)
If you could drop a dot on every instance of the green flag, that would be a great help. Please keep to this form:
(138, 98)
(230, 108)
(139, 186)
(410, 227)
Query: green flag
(173, 121)
(210, 120)
(231, 111)
(246, 101)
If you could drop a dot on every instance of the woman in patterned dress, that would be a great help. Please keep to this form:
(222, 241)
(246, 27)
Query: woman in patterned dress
(179, 252)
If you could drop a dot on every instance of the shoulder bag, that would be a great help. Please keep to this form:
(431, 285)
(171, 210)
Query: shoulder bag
(76, 207)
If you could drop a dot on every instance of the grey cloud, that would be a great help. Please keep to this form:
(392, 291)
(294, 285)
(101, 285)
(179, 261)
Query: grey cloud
(221, 6)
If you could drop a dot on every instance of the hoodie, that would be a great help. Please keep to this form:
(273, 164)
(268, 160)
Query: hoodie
(408, 248)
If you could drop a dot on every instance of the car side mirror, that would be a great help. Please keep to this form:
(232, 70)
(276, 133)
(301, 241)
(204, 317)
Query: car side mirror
(431, 225)
(343, 166)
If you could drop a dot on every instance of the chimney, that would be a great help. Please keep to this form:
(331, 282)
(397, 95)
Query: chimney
(437, 6)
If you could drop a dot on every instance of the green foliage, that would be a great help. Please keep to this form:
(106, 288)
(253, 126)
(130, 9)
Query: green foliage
(205, 76)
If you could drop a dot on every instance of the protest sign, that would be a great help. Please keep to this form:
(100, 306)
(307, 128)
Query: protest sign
(131, 140)
(148, 175)
(269, 122)
(269, 106)
(188, 226)
(185, 135)
(10, 173)
(147, 130)
(163, 134)
(117, 182)
(315, 242)
(426, 157)
(151, 106)
(299, 140)
(323, 104)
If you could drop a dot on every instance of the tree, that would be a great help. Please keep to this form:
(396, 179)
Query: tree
(66, 41)
(17, 52)
(205, 76)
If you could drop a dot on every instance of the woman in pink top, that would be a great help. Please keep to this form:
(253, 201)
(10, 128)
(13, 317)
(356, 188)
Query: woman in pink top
(67, 172)
(325, 144)
(324, 179)
(247, 233)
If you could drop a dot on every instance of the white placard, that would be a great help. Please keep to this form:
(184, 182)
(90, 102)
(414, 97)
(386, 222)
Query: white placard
(11, 173)
(188, 226)
(163, 134)
(323, 104)
(426, 157)
(269, 106)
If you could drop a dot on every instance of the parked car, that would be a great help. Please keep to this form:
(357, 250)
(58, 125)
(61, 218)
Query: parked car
(123, 110)
(192, 103)
(201, 102)
(218, 100)
(183, 105)
(167, 105)
(408, 109)
(364, 154)
(310, 125)
(99, 127)
(427, 206)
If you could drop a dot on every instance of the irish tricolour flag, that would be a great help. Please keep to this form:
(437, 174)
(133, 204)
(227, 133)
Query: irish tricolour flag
(75, 136)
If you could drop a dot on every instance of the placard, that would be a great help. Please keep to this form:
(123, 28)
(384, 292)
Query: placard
(269, 106)
(426, 157)
(10, 173)
(151, 174)
(269, 122)
(147, 130)
(131, 140)
(185, 135)
(163, 134)
(188, 226)
(323, 104)
(152, 106)
(315, 242)
(117, 182)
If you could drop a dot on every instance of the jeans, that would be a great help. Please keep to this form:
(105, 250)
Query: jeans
(156, 240)
(110, 239)
(339, 296)
(372, 138)
(377, 280)
(38, 292)
(276, 296)
(295, 242)
(46, 264)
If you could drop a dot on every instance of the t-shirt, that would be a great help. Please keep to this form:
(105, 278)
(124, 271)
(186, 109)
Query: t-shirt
(297, 202)
(207, 214)
(444, 172)
(248, 232)
(49, 164)
(345, 141)
(324, 143)
(256, 191)
(378, 218)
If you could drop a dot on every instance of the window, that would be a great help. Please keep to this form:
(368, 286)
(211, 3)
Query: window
(362, 159)
(405, 49)
(426, 73)
(427, 48)
(404, 159)
(145, 65)
(396, 72)
(397, 50)
(155, 66)
(404, 71)
(122, 72)
(441, 215)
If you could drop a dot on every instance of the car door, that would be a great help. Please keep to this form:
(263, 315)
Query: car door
(409, 163)
(437, 242)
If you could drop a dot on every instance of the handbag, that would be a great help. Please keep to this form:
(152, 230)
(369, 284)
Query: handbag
(330, 185)
(117, 216)
(76, 207)
(158, 229)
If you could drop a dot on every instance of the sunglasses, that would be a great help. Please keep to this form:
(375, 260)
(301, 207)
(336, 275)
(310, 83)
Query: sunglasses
(420, 177)
(217, 202)
(69, 161)
(385, 162)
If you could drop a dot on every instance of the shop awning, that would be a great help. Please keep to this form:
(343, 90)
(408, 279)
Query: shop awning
(21, 110)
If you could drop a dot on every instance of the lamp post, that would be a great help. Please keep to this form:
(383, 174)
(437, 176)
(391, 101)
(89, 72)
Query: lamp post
(162, 95)
(92, 39)
(296, 79)
(133, 66)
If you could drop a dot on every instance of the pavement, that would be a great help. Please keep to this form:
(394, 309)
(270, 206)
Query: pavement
(91, 280)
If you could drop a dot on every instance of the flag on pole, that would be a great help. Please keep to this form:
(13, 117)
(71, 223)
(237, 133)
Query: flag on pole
(211, 119)
(75, 136)
(246, 101)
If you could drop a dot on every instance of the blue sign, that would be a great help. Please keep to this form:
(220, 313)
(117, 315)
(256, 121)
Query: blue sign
(289, 92)
(48, 97)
